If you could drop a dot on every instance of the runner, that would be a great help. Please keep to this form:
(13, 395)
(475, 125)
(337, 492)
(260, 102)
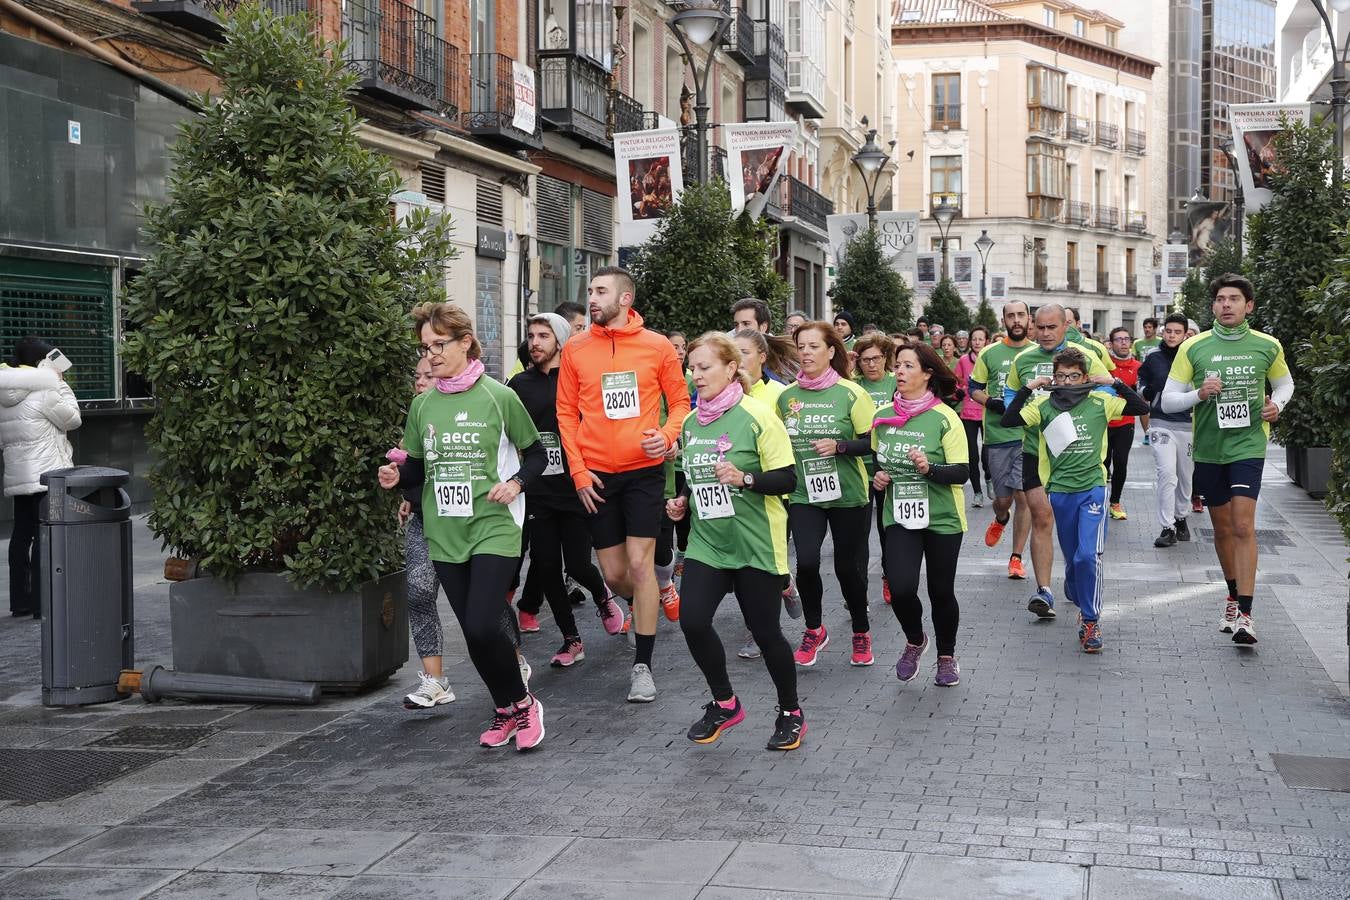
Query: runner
(1070, 424)
(1004, 445)
(1169, 437)
(680, 343)
(472, 447)
(844, 327)
(962, 342)
(554, 518)
(1221, 375)
(829, 418)
(1120, 433)
(1035, 362)
(876, 358)
(921, 465)
(740, 463)
(972, 413)
(795, 319)
(610, 388)
(1150, 342)
(1074, 335)
(948, 351)
(750, 314)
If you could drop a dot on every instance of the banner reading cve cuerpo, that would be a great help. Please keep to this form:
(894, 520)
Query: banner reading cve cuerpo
(897, 231)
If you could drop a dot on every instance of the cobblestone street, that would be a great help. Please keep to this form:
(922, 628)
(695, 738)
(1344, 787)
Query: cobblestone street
(1144, 772)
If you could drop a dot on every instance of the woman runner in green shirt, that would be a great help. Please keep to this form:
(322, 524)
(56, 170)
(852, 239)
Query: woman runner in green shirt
(739, 463)
(876, 359)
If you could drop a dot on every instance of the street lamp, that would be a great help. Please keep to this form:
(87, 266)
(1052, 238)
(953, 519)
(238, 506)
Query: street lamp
(701, 25)
(1239, 200)
(1338, 82)
(943, 215)
(984, 243)
(869, 161)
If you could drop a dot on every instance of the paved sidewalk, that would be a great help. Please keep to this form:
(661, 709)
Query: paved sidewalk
(1145, 772)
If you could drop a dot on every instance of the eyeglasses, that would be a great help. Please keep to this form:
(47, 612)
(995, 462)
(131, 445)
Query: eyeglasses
(435, 348)
(871, 360)
(1069, 377)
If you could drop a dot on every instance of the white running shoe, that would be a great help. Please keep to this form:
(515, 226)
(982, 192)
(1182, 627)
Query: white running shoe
(1230, 616)
(749, 650)
(1244, 632)
(430, 692)
(642, 687)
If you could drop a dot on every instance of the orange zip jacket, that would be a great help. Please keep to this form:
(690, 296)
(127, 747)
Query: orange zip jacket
(609, 392)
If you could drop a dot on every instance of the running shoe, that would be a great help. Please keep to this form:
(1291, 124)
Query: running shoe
(989, 488)
(792, 603)
(529, 622)
(749, 650)
(430, 692)
(1146, 440)
(862, 649)
(948, 672)
(670, 602)
(1042, 603)
(1015, 568)
(977, 500)
(994, 533)
(628, 630)
(510, 596)
(814, 640)
(1244, 632)
(1168, 538)
(1118, 512)
(1197, 505)
(1183, 530)
(788, 729)
(908, 665)
(886, 590)
(1230, 616)
(716, 719)
(679, 565)
(611, 617)
(641, 687)
(525, 670)
(571, 652)
(529, 723)
(1091, 637)
(503, 728)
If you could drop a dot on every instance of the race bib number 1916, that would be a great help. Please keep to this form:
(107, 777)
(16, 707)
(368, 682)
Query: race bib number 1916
(822, 480)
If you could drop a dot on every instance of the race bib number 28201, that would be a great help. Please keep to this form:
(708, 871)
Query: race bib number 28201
(619, 394)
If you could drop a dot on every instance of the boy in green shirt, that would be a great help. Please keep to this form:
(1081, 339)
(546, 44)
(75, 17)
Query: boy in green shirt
(1069, 425)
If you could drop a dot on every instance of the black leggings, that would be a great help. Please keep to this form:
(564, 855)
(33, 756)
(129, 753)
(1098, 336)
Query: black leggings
(25, 558)
(1118, 442)
(682, 526)
(878, 503)
(940, 551)
(559, 539)
(848, 527)
(665, 541)
(476, 590)
(759, 594)
(973, 431)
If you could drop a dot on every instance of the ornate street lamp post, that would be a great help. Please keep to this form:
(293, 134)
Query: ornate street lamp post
(984, 243)
(701, 25)
(870, 160)
(943, 215)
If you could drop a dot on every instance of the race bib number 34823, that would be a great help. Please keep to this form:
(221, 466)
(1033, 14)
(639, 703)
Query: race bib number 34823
(1233, 409)
(619, 394)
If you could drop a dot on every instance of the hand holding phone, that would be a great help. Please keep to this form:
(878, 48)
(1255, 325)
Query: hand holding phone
(57, 361)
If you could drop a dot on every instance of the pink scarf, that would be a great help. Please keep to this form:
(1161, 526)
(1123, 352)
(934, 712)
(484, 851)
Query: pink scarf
(709, 410)
(908, 409)
(828, 378)
(463, 381)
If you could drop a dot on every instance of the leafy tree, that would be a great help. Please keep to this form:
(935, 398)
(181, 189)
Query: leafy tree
(272, 319)
(984, 315)
(1327, 362)
(1192, 301)
(946, 307)
(702, 260)
(869, 288)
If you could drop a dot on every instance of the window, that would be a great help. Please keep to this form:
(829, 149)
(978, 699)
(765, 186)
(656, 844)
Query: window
(1051, 17)
(1045, 179)
(674, 83)
(947, 100)
(1110, 37)
(953, 244)
(1071, 264)
(642, 66)
(1079, 27)
(1046, 100)
(944, 183)
(586, 27)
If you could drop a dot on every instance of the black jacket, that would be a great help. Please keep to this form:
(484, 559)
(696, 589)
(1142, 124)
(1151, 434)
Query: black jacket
(1153, 378)
(539, 393)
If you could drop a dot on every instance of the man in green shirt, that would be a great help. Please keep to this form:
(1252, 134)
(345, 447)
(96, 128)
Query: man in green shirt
(1149, 342)
(1221, 375)
(1073, 333)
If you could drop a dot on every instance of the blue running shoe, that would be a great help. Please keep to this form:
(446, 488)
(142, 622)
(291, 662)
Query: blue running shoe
(1042, 603)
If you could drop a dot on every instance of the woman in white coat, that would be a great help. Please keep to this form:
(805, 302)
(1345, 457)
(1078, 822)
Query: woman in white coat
(37, 408)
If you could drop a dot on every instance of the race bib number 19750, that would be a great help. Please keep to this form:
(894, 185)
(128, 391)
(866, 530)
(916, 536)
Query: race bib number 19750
(453, 486)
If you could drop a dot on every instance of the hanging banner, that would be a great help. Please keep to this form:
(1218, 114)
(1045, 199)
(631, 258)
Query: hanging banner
(1176, 264)
(649, 175)
(998, 287)
(964, 270)
(926, 269)
(1255, 127)
(756, 155)
(523, 78)
(897, 232)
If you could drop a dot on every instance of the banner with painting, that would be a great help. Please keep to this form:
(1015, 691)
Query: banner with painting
(1255, 127)
(650, 179)
(756, 155)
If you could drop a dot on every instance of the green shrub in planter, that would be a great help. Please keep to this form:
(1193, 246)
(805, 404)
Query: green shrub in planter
(946, 307)
(1327, 362)
(271, 320)
(869, 288)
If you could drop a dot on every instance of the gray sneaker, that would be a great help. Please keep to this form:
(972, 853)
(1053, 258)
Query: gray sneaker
(792, 601)
(642, 687)
(749, 650)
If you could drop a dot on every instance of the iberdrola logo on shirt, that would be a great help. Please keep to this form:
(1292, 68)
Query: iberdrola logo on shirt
(795, 407)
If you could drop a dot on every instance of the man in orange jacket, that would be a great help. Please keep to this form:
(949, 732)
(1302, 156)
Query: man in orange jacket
(610, 387)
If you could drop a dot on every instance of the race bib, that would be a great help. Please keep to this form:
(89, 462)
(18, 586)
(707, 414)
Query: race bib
(1060, 433)
(1233, 409)
(453, 487)
(619, 393)
(553, 448)
(909, 504)
(1044, 370)
(822, 480)
(713, 500)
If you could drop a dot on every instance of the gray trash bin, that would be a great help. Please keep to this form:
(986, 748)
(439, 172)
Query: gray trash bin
(87, 625)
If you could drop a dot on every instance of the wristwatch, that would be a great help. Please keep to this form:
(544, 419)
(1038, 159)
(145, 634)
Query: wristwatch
(838, 448)
(748, 479)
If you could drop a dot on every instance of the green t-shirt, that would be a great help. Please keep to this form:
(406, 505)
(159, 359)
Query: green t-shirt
(991, 370)
(1032, 363)
(1229, 427)
(840, 412)
(942, 437)
(693, 393)
(1071, 444)
(732, 527)
(882, 392)
(469, 442)
(1144, 346)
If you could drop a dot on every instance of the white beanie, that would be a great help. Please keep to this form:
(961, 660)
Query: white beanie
(561, 329)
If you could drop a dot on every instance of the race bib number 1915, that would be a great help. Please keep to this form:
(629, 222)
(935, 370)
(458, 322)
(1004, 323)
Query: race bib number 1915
(909, 504)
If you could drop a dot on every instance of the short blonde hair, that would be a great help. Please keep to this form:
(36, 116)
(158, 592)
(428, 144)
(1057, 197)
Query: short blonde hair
(724, 349)
(449, 320)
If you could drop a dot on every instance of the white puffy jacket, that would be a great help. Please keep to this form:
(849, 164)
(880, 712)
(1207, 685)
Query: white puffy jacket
(37, 408)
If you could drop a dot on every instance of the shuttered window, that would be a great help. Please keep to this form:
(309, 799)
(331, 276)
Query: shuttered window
(433, 181)
(489, 203)
(597, 222)
(554, 210)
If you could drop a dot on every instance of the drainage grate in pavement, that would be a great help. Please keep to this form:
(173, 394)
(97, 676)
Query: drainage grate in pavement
(1216, 576)
(37, 775)
(156, 737)
(1318, 773)
(1265, 537)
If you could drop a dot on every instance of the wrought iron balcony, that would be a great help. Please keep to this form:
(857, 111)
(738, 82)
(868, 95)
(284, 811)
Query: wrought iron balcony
(1078, 213)
(740, 40)
(1103, 282)
(797, 200)
(628, 114)
(770, 59)
(1135, 142)
(1077, 128)
(1132, 284)
(1136, 223)
(394, 48)
(1108, 135)
(492, 102)
(946, 116)
(1107, 217)
(197, 16)
(717, 166)
(574, 96)
(1075, 279)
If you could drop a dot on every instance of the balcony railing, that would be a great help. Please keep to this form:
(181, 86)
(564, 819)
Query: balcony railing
(807, 204)
(741, 37)
(492, 102)
(1135, 141)
(1107, 217)
(574, 96)
(1078, 213)
(628, 114)
(946, 116)
(1132, 284)
(1108, 135)
(1103, 282)
(770, 60)
(717, 164)
(1075, 279)
(806, 86)
(1136, 222)
(394, 48)
(1077, 128)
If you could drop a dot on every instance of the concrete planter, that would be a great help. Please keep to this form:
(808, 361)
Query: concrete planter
(1293, 463)
(265, 627)
(1316, 471)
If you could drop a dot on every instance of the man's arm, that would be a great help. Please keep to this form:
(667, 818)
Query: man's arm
(569, 421)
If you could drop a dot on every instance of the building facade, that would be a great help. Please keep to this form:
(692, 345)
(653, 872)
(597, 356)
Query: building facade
(1304, 52)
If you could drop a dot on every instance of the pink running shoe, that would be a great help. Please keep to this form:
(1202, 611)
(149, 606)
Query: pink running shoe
(610, 616)
(814, 640)
(529, 622)
(862, 649)
(570, 653)
(502, 729)
(529, 723)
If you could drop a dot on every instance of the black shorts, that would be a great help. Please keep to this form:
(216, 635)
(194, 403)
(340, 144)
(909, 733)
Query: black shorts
(635, 504)
(1220, 482)
(1031, 471)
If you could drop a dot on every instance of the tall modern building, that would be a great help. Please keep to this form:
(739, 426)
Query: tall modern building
(1304, 52)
